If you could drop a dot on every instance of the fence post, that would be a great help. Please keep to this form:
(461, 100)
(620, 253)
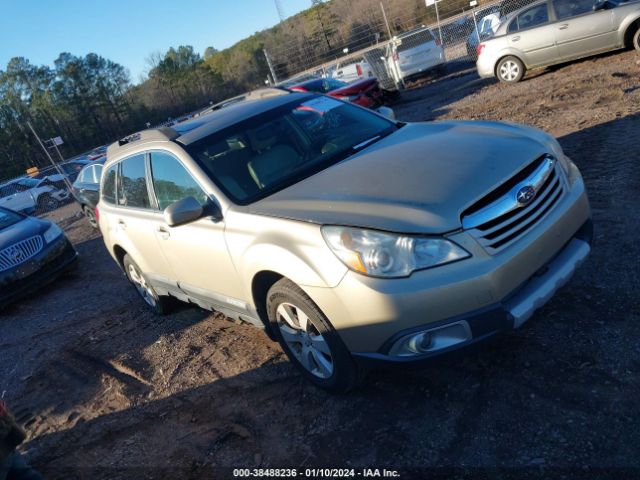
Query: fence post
(271, 69)
(384, 15)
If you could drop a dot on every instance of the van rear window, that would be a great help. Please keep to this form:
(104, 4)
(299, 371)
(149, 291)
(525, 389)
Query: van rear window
(415, 39)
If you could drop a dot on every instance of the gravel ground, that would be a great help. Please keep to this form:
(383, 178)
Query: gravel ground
(107, 390)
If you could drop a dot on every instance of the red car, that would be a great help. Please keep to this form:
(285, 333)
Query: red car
(365, 92)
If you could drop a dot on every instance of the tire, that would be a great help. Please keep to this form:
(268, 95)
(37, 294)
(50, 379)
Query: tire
(308, 339)
(635, 42)
(510, 70)
(157, 304)
(46, 203)
(91, 216)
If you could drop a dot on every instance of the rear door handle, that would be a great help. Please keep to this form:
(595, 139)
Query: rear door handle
(564, 26)
(515, 39)
(164, 233)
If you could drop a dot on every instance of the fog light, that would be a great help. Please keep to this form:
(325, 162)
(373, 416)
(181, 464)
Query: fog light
(432, 340)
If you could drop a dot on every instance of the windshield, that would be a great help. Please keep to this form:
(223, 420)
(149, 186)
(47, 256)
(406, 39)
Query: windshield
(29, 182)
(8, 218)
(268, 152)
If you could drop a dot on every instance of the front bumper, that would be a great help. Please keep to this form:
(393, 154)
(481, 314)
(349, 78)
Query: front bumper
(491, 293)
(46, 266)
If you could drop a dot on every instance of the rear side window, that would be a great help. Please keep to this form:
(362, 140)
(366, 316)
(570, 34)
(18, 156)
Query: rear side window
(172, 182)
(132, 188)
(109, 185)
(533, 17)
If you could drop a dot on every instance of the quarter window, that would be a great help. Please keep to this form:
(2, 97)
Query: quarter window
(533, 17)
(172, 182)
(109, 185)
(97, 173)
(132, 188)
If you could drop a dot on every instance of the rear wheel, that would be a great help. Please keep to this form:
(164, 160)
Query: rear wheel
(155, 302)
(510, 70)
(308, 338)
(91, 216)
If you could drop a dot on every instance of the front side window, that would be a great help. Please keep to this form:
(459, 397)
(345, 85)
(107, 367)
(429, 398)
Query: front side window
(172, 182)
(572, 8)
(109, 184)
(533, 17)
(132, 187)
(267, 152)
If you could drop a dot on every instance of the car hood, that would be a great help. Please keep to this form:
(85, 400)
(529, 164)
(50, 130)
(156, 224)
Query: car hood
(22, 230)
(416, 180)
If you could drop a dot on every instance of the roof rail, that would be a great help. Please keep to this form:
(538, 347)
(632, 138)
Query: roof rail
(165, 134)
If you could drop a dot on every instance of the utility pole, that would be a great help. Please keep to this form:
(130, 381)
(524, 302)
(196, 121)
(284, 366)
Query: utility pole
(55, 165)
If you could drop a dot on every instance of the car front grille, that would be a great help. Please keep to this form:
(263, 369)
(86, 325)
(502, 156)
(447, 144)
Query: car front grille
(507, 213)
(20, 252)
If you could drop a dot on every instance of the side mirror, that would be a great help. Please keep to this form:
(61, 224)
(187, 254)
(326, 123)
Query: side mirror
(183, 211)
(387, 112)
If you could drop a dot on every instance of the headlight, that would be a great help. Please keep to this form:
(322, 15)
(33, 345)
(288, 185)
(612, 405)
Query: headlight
(52, 233)
(381, 254)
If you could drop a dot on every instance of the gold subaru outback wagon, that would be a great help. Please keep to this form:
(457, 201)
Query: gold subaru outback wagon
(350, 238)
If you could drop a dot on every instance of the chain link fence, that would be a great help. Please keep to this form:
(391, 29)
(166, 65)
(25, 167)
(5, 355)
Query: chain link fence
(394, 47)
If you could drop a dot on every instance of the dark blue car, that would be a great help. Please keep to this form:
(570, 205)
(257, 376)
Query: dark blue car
(32, 253)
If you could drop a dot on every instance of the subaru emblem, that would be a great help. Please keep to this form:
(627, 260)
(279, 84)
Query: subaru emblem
(525, 195)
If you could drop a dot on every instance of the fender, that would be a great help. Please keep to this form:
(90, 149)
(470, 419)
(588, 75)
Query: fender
(626, 23)
(509, 51)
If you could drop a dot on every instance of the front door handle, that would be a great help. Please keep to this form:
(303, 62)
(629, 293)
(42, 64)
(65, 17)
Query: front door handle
(564, 26)
(164, 233)
(515, 39)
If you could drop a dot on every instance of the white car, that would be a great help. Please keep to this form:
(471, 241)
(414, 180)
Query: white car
(353, 71)
(31, 194)
(413, 53)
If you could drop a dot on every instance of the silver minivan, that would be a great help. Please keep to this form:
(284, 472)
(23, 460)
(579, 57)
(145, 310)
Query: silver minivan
(352, 239)
(413, 53)
(556, 31)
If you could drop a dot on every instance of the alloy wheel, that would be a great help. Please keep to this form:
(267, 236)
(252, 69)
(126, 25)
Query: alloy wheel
(141, 285)
(509, 70)
(304, 340)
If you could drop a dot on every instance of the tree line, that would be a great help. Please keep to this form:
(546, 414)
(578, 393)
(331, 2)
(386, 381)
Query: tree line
(90, 100)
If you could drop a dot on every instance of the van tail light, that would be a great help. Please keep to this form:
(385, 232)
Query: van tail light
(480, 48)
(358, 69)
(438, 42)
(97, 214)
(395, 55)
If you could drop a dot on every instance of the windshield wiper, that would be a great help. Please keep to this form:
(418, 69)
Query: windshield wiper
(361, 145)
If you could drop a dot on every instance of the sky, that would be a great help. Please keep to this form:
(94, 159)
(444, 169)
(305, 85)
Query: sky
(129, 31)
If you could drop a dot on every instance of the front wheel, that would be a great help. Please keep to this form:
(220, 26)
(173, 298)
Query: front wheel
(46, 203)
(510, 70)
(308, 338)
(159, 305)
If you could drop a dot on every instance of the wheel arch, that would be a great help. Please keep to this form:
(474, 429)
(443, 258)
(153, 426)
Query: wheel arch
(260, 285)
(118, 254)
(629, 31)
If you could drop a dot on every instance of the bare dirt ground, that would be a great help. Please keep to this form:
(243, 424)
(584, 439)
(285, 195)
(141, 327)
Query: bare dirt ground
(109, 391)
